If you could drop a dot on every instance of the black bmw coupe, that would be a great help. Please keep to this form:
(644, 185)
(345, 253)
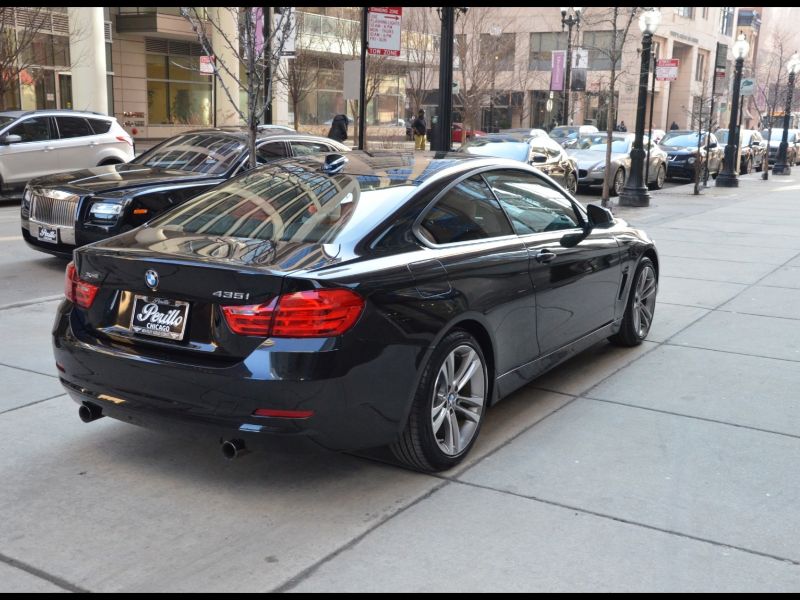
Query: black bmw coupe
(61, 212)
(362, 300)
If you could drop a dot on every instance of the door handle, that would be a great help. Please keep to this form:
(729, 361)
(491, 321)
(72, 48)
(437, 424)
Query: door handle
(545, 256)
(48, 148)
(93, 144)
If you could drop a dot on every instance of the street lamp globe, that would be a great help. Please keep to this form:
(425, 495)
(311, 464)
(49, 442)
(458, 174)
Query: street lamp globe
(793, 65)
(649, 20)
(740, 47)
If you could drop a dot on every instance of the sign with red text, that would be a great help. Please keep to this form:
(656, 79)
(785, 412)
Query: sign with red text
(667, 69)
(207, 65)
(383, 30)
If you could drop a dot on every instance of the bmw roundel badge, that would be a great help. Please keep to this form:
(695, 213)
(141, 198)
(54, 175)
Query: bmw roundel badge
(151, 279)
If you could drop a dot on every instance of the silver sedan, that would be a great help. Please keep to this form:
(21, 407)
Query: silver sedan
(591, 158)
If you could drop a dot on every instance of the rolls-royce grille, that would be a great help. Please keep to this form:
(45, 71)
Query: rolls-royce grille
(54, 211)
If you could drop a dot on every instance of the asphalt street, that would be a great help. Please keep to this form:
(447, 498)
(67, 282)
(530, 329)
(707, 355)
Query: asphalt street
(670, 467)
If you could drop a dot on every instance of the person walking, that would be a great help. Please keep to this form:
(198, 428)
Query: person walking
(674, 126)
(420, 128)
(338, 130)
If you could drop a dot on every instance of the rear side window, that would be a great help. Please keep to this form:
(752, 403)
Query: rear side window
(531, 203)
(271, 151)
(72, 127)
(99, 125)
(304, 148)
(35, 129)
(467, 212)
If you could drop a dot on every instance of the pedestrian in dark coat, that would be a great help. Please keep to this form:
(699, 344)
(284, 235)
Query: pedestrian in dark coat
(674, 126)
(338, 130)
(622, 126)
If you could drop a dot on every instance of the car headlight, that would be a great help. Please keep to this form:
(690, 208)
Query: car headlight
(25, 205)
(691, 160)
(105, 210)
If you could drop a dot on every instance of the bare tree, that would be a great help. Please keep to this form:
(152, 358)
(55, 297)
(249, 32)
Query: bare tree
(19, 28)
(301, 73)
(247, 52)
(421, 54)
(617, 21)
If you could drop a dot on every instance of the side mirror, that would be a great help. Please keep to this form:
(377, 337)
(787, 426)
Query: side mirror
(10, 139)
(712, 145)
(599, 216)
(538, 158)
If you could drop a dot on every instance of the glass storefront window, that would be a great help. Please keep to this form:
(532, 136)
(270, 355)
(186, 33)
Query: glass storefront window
(177, 93)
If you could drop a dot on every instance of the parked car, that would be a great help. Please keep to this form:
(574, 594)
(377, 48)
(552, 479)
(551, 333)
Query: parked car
(61, 212)
(567, 135)
(458, 133)
(350, 121)
(525, 132)
(43, 142)
(376, 300)
(753, 148)
(544, 154)
(283, 128)
(792, 150)
(591, 159)
(682, 153)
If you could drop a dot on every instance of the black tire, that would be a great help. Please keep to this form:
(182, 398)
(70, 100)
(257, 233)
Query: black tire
(661, 177)
(419, 446)
(746, 167)
(633, 330)
(571, 183)
(617, 183)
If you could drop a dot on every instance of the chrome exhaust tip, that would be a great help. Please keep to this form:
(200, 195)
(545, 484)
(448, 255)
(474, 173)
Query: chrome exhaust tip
(89, 412)
(234, 449)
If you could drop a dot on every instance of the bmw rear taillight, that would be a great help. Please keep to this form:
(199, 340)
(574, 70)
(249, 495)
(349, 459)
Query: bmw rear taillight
(77, 291)
(313, 313)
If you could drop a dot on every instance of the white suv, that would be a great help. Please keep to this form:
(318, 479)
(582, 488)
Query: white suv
(43, 142)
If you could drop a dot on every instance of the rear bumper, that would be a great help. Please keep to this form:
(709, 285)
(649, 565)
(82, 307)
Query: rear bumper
(360, 398)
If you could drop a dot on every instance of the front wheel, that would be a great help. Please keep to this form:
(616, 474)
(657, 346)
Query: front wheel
(448, 408)
(640, 308)
(661, 177)
(618, 183)
(571, 184)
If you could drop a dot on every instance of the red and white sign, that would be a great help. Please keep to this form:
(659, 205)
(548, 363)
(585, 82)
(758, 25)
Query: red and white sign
(667, 69)
(207, 65)
(383, 30)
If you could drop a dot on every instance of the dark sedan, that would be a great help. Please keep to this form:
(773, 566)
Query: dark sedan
(683, 154)
(380, 299)
(775, 138)
(752, 147)
(62, 212)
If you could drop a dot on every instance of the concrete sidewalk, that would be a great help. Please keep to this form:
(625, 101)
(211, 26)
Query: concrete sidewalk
(668, 467)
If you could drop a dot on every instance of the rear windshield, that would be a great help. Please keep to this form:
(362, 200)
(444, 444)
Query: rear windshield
(197, 152)
(291, 205)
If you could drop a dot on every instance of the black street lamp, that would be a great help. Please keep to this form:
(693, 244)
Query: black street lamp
(727, 177)
(635, 191)
(781, 167)
(571, 17)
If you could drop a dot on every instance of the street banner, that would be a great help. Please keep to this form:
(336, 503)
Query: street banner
(578, 80)
(285, 22)
(557, 70)
(352, 79)
(667, 69)
(580, 58)
(383, 30)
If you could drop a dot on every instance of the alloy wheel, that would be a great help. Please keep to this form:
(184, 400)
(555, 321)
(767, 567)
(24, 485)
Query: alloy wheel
(619, 181)
(644, 301)
(459, 398)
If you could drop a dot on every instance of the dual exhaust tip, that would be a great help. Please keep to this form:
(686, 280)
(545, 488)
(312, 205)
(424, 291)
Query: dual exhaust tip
(231, 449)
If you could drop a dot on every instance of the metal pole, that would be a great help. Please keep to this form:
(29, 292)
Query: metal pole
(362, 95)
(265, 11)
(781, 166)
(569, 71)
(728, 178)
(441, 134)
(635, 191)
(650, 131)
(711, 110)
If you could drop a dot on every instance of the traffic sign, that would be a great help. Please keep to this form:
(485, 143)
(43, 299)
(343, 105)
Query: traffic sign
(667, 69)
(747, 87)
(383, 30)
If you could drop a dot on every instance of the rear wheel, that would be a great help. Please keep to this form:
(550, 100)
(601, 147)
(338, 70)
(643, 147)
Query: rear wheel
(640, 308)
(448, 407)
